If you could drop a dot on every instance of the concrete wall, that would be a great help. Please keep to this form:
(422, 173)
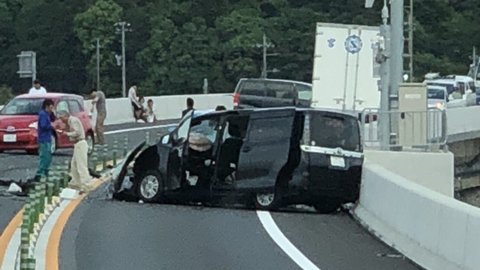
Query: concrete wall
(431, 170)
(463, 123)
(434, 230)
(119, 110)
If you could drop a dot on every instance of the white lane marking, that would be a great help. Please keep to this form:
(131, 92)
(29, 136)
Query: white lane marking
(282, 241)
(10, 258)
(137, 129)
(42, 242)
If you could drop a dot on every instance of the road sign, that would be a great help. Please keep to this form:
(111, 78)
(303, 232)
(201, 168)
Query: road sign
(27, 64)
(369, 3)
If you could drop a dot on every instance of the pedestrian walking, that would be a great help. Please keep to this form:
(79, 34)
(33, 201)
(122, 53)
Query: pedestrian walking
(99, 103)
(37, 89)
(44, 138)
(79, 165)
(190, 104)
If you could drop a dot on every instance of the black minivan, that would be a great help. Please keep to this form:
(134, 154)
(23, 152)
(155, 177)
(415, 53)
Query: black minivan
(264, 157)
(265, 93)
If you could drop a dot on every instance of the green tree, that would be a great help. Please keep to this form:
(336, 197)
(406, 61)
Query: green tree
(5, 94)
(98, 22)
(238, 33)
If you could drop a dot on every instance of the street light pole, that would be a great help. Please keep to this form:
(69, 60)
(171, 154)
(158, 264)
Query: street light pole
(98, 64)
(264, 70)
(123, 28)
(124, 73)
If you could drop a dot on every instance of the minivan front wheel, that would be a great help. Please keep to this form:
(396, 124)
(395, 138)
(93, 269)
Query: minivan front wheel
(150, 186)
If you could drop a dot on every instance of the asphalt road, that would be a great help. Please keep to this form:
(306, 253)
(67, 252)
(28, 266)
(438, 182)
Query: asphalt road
(104, 234)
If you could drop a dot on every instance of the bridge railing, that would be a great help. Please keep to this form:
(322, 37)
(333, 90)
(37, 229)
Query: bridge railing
(410, 130)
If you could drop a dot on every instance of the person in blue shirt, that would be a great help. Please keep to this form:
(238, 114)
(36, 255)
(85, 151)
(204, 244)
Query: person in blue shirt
(44, 137)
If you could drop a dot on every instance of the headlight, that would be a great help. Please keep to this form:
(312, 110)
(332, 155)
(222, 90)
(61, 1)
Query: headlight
(440, 105)
(33, 125)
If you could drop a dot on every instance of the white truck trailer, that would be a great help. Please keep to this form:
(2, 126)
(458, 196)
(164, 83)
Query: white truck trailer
(345, 74)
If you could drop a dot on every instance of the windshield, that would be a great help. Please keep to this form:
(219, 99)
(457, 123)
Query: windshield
(450, 88)
(23, 106)
(436, 94)
(333, 131)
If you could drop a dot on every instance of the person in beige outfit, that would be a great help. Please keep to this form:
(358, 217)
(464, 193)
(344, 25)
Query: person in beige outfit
(79, 165)
(100, 103)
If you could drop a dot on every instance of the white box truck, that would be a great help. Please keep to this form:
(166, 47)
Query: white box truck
(345, 74)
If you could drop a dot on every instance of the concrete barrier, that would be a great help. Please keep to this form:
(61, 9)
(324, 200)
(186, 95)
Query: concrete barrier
(463, 123)
(434, 171)
(119, 110)
(434, 230)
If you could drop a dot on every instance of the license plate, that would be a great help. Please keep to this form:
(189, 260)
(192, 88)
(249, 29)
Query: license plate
(337, 161)
(10, 137)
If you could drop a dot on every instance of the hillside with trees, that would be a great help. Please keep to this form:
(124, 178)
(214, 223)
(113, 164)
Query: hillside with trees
(174, 44)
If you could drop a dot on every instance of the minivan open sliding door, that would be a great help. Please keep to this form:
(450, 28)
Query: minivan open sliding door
(265, 149)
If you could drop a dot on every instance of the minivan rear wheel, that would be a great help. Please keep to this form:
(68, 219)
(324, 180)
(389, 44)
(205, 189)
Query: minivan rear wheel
(266, 200)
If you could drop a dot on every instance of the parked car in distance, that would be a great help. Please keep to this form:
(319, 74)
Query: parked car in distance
(437, 97)
(18, 122)
(265, 93)
(267, 158)
(461, 91)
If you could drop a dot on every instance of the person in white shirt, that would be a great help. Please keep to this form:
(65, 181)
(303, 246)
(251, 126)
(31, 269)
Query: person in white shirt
(37, 89)
(137, 107)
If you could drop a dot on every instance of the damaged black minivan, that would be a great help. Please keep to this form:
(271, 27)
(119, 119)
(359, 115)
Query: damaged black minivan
(264, 157)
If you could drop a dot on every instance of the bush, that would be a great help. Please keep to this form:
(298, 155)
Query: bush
(5, 94)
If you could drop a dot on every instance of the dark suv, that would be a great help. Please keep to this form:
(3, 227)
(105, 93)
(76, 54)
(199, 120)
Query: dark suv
(264, 93)
(269, 158)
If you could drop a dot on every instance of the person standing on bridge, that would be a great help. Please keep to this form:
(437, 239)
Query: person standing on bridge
(190, 104)
(100, 103)
(44, 138)
(79, 165)
(37, 89)
(137, 108)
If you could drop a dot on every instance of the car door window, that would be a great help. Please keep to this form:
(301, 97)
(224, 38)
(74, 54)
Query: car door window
(268, 129)
(74, 106)
(62, 105)
(304, 92)
(181, 134)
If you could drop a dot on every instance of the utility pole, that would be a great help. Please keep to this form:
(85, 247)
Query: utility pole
(98, 64)
(396, 65)
(384, 128)
(265, 45)
(123, 28)
(409, 53)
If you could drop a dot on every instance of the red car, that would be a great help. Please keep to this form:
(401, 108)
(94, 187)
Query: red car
(18, 122)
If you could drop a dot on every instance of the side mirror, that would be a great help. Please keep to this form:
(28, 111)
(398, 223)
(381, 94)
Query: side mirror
(166, 139)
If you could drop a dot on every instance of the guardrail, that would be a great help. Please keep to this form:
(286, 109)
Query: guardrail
(410, 130)
(44, 197)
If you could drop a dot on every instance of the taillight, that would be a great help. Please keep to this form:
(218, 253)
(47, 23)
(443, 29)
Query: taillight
(236, 99)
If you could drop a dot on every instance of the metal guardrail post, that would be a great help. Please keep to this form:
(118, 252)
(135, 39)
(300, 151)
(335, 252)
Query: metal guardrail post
(114, 154)
(104, 157)
(125, 146)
